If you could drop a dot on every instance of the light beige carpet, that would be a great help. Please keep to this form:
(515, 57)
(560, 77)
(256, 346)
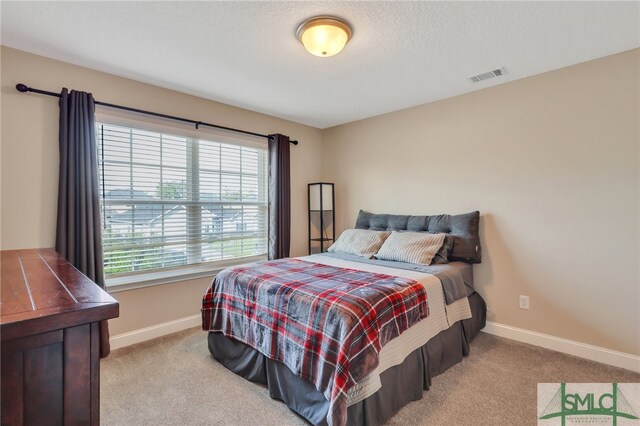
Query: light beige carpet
(175, 381)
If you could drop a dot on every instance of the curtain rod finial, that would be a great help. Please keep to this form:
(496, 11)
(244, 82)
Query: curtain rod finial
(22, 88)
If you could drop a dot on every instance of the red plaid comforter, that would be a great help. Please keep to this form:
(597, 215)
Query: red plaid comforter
(326, 324)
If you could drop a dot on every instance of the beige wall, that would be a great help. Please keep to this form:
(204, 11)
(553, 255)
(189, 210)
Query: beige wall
(29, 168)
(551, 162)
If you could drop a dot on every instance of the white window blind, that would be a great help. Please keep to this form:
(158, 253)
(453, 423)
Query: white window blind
(169, 200)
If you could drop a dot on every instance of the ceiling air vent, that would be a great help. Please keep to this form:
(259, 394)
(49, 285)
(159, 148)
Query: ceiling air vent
(487, 75)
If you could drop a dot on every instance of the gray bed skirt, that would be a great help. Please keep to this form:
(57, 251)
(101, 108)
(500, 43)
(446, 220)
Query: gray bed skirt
(401, 384)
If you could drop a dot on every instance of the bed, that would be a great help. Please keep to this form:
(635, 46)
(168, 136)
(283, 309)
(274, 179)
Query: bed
(434, 338)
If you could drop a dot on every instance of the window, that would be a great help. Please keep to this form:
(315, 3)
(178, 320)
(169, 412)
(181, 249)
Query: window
(169, 200)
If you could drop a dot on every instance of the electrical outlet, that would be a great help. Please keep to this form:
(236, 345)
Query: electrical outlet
(524, 302)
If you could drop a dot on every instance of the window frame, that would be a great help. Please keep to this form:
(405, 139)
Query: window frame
(158, 276)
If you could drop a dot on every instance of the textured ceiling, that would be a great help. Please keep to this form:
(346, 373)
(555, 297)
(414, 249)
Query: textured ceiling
(245, 53)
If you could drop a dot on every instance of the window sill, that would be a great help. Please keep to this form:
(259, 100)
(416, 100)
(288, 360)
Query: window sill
(149, 279)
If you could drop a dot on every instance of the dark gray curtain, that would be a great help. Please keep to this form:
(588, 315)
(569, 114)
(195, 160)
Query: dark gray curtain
(279, 197)
(78, 233)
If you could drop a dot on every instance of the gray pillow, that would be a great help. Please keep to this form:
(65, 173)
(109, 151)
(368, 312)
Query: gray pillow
(442, 256)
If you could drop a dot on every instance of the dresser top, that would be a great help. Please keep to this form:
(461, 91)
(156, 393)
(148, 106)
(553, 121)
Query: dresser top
(40, 291)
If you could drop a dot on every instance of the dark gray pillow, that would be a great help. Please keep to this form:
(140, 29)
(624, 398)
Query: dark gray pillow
(463, 229)
(442, 256)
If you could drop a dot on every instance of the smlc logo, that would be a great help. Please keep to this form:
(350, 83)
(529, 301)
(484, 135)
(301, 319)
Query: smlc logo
(588, 403)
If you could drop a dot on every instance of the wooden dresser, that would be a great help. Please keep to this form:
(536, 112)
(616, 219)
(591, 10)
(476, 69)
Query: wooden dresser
(49, 326)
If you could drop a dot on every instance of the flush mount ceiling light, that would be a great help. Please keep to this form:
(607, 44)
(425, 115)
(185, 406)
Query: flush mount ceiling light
(324, 36)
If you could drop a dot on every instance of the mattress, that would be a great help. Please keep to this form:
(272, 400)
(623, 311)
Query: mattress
(441, 316)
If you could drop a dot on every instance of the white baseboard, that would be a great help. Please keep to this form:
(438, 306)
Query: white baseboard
(148, 333)
(571, 347)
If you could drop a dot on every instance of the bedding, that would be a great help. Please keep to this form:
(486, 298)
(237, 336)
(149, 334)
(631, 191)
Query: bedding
(455, 277)
(359, 242)
(399, 384)
(441, 317)
(326, 323)
(411, 247)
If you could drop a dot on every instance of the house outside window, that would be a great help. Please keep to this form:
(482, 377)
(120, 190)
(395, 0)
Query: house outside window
(171, 201)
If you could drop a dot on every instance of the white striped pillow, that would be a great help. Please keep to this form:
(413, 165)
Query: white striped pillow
(411, 247)
(359, 242)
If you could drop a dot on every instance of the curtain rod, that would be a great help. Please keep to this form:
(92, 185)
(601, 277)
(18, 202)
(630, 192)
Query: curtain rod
(23, 88)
